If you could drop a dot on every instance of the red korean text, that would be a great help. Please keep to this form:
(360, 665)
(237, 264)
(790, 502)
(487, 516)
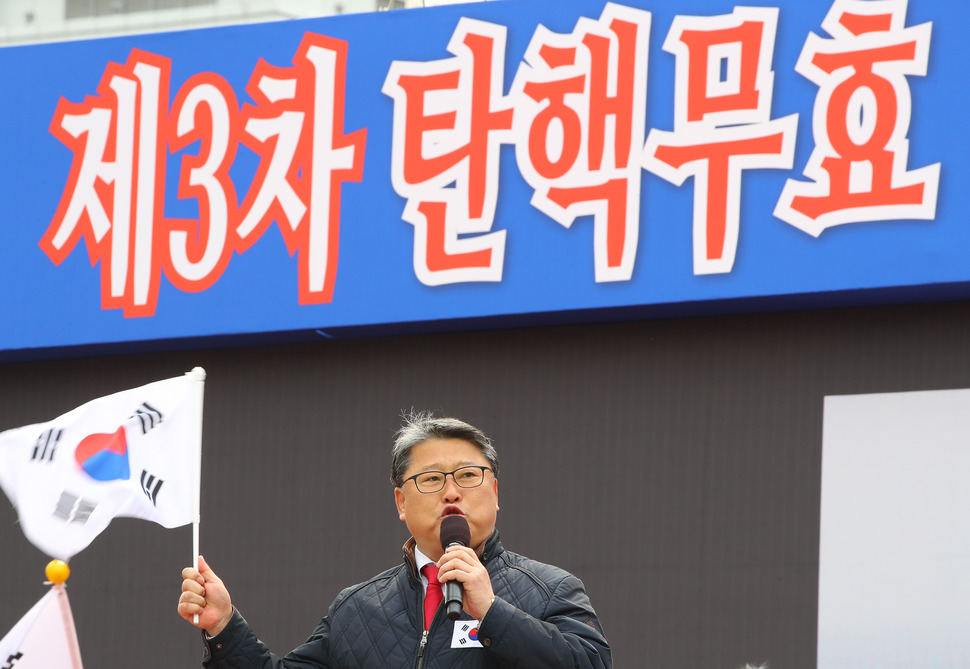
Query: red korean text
(579, 119)
(114, 199)
(858, 169)
(722, 123)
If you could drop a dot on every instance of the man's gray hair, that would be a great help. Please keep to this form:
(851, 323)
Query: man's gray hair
(423, 426)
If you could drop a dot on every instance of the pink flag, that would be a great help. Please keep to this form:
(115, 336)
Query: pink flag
(45, 637)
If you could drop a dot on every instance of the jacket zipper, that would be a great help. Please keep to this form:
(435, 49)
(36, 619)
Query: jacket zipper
(424, 634)
(423, 645)
(424, 642)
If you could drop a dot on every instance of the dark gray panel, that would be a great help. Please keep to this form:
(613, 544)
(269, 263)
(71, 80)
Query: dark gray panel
(673, 465)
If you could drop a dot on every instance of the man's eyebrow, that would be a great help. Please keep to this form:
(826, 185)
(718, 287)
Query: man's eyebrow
(438, 467)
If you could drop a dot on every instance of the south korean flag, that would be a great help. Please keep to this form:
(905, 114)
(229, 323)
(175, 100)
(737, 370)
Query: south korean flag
(465, 634)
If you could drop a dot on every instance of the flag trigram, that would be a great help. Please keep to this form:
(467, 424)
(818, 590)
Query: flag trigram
(148, 416)
(151, 485)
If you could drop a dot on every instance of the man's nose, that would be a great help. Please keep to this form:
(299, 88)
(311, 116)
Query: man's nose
(451, 490)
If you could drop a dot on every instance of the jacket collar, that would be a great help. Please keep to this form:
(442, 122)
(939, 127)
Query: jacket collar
(492, 547)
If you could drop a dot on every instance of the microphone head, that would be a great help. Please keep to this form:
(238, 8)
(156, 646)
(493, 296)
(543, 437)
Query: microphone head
(454, 530)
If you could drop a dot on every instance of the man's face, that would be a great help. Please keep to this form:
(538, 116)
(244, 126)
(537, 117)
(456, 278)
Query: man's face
(422, 512)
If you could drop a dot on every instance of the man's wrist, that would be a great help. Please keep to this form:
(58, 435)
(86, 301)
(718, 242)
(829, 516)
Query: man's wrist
(217, 629)
(487, 610)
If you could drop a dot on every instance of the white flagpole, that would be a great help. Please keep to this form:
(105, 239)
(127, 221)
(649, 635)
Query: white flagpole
(197, 374)
(68, 619)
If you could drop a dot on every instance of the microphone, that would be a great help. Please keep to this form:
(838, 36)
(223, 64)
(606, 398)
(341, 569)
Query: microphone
(454, 532)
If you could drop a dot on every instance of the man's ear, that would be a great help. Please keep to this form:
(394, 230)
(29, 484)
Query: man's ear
(495, 489)
(399, 501)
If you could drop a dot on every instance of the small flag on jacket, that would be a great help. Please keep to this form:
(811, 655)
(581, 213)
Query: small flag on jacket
(44, 638)
(136, 453)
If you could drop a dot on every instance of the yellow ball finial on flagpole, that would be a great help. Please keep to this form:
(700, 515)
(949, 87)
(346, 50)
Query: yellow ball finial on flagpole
(57, 571)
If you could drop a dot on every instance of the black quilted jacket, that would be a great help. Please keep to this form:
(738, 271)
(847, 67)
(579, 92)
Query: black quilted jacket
(541, 619)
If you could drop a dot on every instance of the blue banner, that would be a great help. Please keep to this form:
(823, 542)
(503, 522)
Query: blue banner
(501, 160)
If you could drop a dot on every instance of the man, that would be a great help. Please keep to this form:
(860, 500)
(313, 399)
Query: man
(516, 611)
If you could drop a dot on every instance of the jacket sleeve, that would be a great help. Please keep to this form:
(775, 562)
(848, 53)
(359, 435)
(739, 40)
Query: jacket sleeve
(237, 647)
(568, 634)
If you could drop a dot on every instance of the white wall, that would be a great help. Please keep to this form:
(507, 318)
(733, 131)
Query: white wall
(32, 21)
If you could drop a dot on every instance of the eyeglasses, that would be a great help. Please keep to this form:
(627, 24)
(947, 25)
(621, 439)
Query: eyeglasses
(465, 477)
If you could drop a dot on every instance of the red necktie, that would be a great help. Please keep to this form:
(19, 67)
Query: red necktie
(434, 596)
